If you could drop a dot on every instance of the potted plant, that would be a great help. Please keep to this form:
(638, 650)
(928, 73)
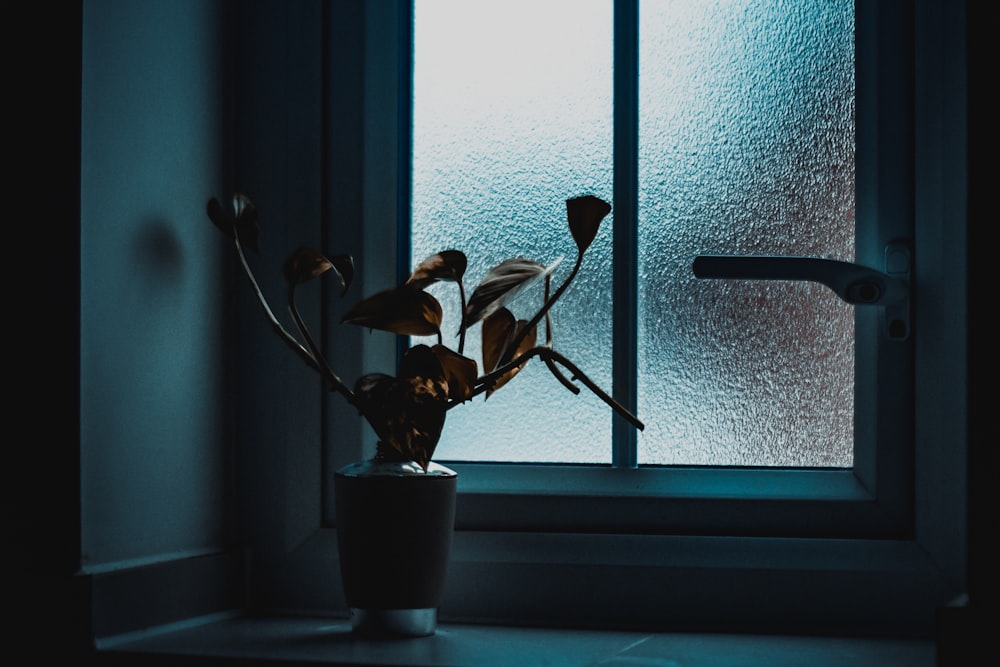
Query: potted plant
(399, 506)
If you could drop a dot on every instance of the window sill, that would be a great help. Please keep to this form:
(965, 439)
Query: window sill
(313, 640)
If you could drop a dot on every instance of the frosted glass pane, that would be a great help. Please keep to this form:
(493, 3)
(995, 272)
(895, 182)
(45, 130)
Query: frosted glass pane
(746, 147)
(512, 116)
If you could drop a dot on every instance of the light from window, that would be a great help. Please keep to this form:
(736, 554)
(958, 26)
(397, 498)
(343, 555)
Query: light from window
(512, 116)
(746, 135)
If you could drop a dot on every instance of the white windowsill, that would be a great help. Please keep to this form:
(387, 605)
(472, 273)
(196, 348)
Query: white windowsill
(304, 640)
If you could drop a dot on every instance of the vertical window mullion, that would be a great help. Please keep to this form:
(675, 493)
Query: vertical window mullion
(404, 148)
(626, 197)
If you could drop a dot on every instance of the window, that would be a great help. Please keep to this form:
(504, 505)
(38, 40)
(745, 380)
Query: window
(875, 548)
(862, 548)
(677, 172)
(501, 138)
(745, 125)
(808, 540)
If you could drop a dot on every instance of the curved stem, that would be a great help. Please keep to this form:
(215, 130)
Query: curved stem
(548, 343)
(551, 356)
(509, 352)
(548, 314)
(600, 393)
(321, 364)
(461, 329)
(275, 324)
(559, 375)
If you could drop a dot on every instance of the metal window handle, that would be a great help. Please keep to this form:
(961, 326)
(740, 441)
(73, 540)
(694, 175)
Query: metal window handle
(853, 283)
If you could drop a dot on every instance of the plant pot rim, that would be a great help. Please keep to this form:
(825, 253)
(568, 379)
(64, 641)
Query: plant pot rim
(382, 468)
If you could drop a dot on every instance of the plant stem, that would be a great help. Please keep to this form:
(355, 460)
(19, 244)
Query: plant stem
(548, 343)
(321, 364)
(548, 314)
(551, 356)
(559, 375)
(512, 348)
(275, 324)
(314, 359)
(461, 329)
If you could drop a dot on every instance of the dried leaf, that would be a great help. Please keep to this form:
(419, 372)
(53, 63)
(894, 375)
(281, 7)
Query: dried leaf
(420, 361)
(305, 264)
(445, 265)
(243, 221)
(499, 331)
(585, 215)
(403, 310)
(408, 412)
(459, 371)
(502, 284)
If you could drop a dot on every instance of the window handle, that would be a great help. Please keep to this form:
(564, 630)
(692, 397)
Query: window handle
(855, 284)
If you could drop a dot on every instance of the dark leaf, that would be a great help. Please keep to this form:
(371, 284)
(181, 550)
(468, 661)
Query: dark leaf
(407, 413)
(219, 218)
(445, 265)
(585, 215)
(242, 221)
(442, 365)
(501, 285)
(371, 392)
(420, 361)
(459, 371)
(247, 221)
(499, 331)
(304, 265)
(402, 310)
(344, 264)
(367, 385)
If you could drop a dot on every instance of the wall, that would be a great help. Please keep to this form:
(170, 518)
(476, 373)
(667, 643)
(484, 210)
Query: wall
(151, 454)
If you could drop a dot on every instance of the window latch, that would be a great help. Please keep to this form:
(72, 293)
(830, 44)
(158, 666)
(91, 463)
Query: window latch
(855, 284)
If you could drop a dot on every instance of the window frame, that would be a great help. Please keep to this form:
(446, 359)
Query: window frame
(869, 500)
(626, 547)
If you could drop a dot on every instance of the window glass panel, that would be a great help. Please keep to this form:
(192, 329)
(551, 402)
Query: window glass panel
(747, 148)
(512, 115)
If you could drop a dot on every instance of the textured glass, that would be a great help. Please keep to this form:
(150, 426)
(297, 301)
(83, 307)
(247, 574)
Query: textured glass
(746, 147)
(512, 116)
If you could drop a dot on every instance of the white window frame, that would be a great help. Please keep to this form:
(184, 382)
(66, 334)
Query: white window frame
(820, 551)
